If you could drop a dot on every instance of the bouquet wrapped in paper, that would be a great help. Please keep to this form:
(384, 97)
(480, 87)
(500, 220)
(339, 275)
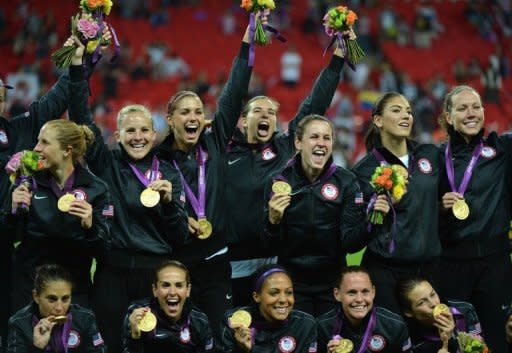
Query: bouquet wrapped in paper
(338, 23)
(87, 25)
(471, 344)
(21, 168)
(390, 180)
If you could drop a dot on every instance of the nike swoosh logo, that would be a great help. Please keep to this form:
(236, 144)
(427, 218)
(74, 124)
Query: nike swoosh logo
(504, 307)
(234, 161)
(228, 297)
(37, 197)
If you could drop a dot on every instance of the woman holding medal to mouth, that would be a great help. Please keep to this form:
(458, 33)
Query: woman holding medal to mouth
(50, 323)
(168, 322)
(357, 325)
(407, 242)
(197, 154)
(434, 325)
(476, 200)
(313, 204)
(269, 324)
(64, 221)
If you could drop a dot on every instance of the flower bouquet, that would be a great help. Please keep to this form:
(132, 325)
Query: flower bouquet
(390, 180)
(338, 23)
(87, 25)
(471, 344)
(21, 168)
(254, 7)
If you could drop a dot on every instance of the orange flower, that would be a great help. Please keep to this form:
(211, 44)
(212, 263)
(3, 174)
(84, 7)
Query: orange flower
(351, 18)
(246, 5)
(389, 184)
(387, 171)
(92, 4)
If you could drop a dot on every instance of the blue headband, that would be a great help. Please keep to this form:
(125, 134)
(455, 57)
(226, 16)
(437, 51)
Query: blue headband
(261, 278)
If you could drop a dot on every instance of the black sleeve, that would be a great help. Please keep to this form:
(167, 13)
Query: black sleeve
(174, 215)
(50, 106)
(229, 105)
(18, 342)
(352, 226)
(320, 97)
(228, 341)
(98, 155)
(98, 235)
(78, 109)
(94, 339)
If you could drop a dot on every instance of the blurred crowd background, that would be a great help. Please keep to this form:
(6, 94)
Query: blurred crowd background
(418, 47)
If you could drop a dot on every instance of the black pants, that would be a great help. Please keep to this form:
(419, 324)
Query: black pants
(113, 291)
(485, 283)
(211, 290)
(385, 275)
(242, 291)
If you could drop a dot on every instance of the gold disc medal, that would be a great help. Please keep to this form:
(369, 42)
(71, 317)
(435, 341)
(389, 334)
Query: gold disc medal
(460, 209)
(149, 197)
(59, 320)
(345, 346)
(205, 228)
(240, 318)
(64, 202)
(281, 187)
(148, 322)
(438, 309)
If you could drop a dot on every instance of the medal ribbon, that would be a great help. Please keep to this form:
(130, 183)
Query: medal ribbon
(198, 203)
(469, 169)
(153, 174)
(68, 185)
(367, 332)
(59, 336)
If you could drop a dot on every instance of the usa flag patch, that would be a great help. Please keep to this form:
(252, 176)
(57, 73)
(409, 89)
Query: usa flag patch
(108, 211)
(97, 340)
(359, 198)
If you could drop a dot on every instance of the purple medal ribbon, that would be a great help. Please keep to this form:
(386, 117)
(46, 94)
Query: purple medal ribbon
(68, 185)
(198, 203)
(252, 31)
(59, 336)
(337, 36)
(153, 174)
(30, 182)
(467, 173)
(367, 332)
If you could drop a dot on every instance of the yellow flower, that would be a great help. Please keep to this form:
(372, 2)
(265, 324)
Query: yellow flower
(91, 46)
(107, 6)
(398, 192)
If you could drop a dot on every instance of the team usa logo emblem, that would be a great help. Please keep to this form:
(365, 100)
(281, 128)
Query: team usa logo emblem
(3, 137)
(330, 191)
(267, 154)
(377, 343)
(148, 175)
(73, 339)
(287, 344)
(488, 152)
(79, 194)
(425, 166)
(185, 335)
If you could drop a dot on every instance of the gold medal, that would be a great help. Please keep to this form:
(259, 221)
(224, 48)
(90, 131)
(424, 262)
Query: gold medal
(64, 202)
(460, 209)
(59, 320)
(345, 346)
(240, 318)
(281, 187)
(148, 322)
(438, 309)
(149, 197)
(205, 228)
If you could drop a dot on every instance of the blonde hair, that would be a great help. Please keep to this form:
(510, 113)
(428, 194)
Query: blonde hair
(448, 103)
(133, 108)
(69, 133)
